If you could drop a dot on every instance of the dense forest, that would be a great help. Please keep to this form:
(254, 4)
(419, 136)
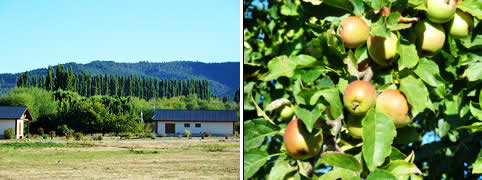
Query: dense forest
(223, 77)
(115, 85)
(66, 111)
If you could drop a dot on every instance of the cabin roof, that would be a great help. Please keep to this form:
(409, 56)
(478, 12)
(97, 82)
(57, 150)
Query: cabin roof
(195, 115)
(13, 112)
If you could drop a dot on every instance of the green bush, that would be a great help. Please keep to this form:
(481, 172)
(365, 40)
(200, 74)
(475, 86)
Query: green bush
(78, 136)
(98, 138)
(187, 133)
(163, 135)
(45, 136)
(153, 135)
(52, 134)
(125, 135)
(9, 133)
(68, 136)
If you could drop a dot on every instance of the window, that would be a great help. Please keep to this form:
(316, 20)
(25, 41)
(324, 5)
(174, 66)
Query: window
(187, 125)
(198, 125)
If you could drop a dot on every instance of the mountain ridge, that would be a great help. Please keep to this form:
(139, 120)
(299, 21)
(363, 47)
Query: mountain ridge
(223, 76)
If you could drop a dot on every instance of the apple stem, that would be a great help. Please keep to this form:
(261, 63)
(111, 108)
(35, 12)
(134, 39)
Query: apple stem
(355, 105)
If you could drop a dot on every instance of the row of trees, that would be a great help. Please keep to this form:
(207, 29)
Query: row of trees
(61, 110)
(115, 85)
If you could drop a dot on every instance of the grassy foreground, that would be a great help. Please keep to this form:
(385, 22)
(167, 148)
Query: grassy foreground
(121, 159)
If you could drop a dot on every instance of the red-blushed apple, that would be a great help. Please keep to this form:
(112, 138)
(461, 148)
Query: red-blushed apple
(461, 25)
(359, 97)
(430, 37)
(440, 11)
(383, 50)
(299, 142)
(394, 104)
(354, 31)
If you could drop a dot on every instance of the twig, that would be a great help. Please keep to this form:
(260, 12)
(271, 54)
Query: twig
(402, 19)
(331, 140)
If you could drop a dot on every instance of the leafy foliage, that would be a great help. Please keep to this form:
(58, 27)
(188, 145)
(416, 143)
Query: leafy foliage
(293, 56)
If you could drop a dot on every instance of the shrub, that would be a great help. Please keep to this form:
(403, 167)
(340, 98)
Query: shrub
(226, 136)
(153, 135)
(187, 133)
(64, 129)
(163, 135)
(206, 134)
(41, 131)
(126, 135)
(68, 136)
(45, 136)
(78, 136)
(98, 138)
(9, 133)
(52, 134)
(35, 136)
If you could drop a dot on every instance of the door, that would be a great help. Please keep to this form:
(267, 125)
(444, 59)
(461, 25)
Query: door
(170, 128)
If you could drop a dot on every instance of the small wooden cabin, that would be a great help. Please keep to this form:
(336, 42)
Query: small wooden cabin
(14, 117)
(175, 122)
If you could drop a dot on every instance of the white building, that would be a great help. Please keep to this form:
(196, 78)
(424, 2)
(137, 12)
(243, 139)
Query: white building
(175, 122)
(14, 117)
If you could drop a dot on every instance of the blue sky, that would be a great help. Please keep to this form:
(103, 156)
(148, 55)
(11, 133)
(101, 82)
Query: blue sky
(36, 34)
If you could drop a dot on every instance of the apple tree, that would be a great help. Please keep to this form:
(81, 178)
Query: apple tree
(362, 89)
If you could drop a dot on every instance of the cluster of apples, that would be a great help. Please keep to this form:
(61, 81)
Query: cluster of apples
(429, 33)
(360, 96)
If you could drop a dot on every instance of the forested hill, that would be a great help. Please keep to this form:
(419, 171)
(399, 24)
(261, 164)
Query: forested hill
(223, 77)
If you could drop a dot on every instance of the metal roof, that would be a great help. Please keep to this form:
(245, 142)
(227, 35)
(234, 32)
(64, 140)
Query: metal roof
(12, 112)
(195, 115)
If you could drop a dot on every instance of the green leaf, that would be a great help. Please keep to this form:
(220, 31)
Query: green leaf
(309, 115)
(379, 28)
(443, 128)
(342, 84)
(473, 7)
(475, 127)
(375, 4)
(333, 98)
(361, 53)
(408, 55)
(477, 165)
(381, 174)
(339, 173)
(358, 7)
(394, 25)
(258, 130)
(396, 154)
(475, 111)
(417, 94)
(310, 75)
(378, 134)
(314, 2)
(253, 160)
(280, 169)
(341, 160)
(402, 168)
(474, 72)
(303, 60)
(278, 103)
(289, 9)
(280, 66)
(429, 72)
(324, 83)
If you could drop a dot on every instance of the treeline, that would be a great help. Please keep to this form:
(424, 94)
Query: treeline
(115, 85)
(64, 111)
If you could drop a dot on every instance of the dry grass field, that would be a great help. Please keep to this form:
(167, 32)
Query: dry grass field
(162, 158)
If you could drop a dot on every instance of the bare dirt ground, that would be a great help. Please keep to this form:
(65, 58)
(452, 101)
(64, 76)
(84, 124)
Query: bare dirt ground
(164, 158)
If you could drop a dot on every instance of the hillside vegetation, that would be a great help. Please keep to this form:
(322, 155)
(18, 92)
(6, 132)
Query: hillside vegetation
(223, 77)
